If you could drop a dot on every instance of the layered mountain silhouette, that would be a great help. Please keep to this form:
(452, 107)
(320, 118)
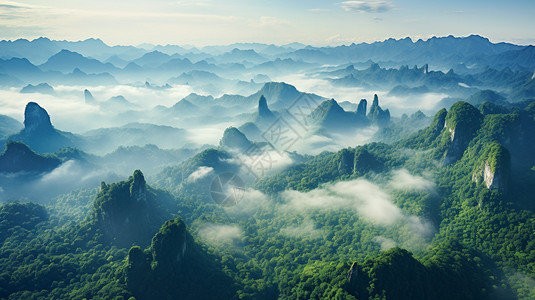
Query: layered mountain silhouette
(265, 116)
(105, 140)
(17, 157)
(184, 108)
(116, 103)
(377, 115)
(39, 134)
(234, 139)
(66, 61)
(42, 88)
(329, 117)
(8, 126)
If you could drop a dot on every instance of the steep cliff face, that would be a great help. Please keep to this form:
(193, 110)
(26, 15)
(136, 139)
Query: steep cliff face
(169, 245)
(494, 167)
(330, 117)
(462, 122)
(38, 132)
(129, 211)
(36, 119)
(439, 121)
(138, 188)
(175, 267)
(377, 115)
(361, 109)
(265, 116)
(88, 97)
(493, 180)
(346, 162)
(163, 260)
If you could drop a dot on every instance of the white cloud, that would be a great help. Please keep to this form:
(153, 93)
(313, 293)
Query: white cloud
(367, 6)
(318, 10)
(273, 21)
(366, 198)
(248, 204)
(403, 180)
(384, 242)
(264, 162)
(70, 174)
(200, 173)
(306, 229)
(220, 234)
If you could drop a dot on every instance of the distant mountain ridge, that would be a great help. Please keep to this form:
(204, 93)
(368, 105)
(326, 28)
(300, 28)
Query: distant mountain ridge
(403, 50)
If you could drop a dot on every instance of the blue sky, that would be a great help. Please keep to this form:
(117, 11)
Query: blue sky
(211, 22)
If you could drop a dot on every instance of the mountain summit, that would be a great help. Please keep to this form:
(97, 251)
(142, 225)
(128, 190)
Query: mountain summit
(265, 115)
(36, 119)
(38, 132)
(331, 117)
(377, 115)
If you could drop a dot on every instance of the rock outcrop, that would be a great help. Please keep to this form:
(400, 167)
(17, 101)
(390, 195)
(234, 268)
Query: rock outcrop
(175, 267)
(36, 119)
(129, 211)
(377, 115)
(357, 161)
(330, 117)
(265, 116)
(462, 122)
(169, 245)
(494, 167)
(88, 97)
(234, 139)
(346, 162)
(38, 132)
(361, 109)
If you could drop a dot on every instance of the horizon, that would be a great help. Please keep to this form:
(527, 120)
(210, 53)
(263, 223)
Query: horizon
(317, 23)
(190, 46)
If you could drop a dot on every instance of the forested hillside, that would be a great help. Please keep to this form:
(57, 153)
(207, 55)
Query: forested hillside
(444, 214)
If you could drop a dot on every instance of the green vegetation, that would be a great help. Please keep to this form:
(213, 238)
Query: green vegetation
(378, 221)
(130, 211)
(17, 157)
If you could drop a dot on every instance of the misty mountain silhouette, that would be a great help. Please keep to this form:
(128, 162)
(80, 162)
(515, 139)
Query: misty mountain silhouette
(39, 134)
(265, 116)
(329, 117)
(116, 103)
(234, 139)
(18, 157)
(42, 88)
(9, 125)
(66, 61)
(152, 59)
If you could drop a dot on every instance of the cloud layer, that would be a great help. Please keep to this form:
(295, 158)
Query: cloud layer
(306, 229)
(370, 201)
(200, 173)
(365, 197)
(403, 180)
(216, 234)
(367, 6)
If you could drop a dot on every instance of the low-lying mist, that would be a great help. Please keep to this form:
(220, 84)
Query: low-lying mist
(370, 201)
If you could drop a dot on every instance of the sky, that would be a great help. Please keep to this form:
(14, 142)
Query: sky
(218, 22)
